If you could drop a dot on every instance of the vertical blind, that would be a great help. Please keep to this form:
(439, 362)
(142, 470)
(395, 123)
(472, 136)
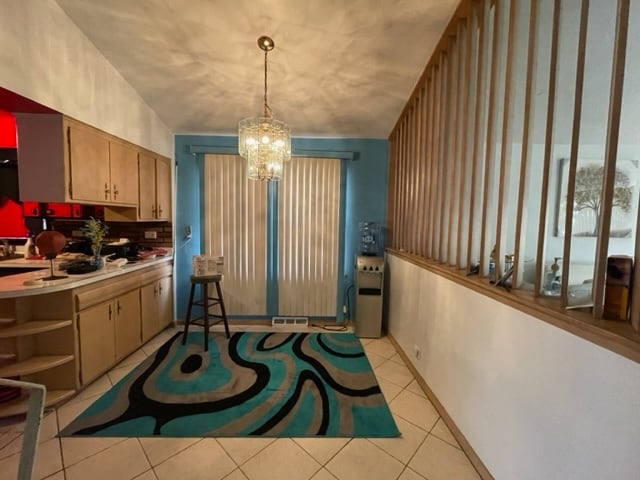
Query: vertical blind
(307, 240)
(235, 211)
(308, 237)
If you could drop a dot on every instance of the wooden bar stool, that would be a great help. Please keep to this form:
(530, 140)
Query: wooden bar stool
(205, 302)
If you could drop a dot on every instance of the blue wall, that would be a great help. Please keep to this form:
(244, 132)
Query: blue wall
(365, 198)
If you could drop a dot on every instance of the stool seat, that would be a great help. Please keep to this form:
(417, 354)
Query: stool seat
(205, 278)
(206, 302)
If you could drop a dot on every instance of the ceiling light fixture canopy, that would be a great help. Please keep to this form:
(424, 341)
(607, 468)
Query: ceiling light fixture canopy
(264, 141)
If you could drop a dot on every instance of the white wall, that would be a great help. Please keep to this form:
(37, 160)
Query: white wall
(534, 401)
(46, 58)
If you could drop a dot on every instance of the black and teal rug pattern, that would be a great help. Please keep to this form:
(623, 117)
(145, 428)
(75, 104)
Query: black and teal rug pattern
(268, 384)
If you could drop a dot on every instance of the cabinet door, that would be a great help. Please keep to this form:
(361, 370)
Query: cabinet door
(163, 188)
(88, 165)
(165, 302)
(97, 348)
(127, 324)
(147, 187)
(149, 310)
(124, 173)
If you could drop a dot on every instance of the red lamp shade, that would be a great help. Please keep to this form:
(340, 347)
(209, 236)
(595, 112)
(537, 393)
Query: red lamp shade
(50, 243)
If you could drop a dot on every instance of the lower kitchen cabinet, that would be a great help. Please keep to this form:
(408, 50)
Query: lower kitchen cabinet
(157, 307)
(116, 316)
(96, 327)
(66, 338)
(109, 331)
(165, 302)
(127, 324)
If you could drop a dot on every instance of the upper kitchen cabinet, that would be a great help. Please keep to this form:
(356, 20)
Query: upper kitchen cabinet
(155, 187)
(87, 156)
(123, 160)
(62, 160)
(163, 188)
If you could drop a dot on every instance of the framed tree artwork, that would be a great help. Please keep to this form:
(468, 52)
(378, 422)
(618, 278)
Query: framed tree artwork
(587, 206)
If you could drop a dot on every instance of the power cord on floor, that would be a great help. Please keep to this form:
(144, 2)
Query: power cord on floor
(348, 303)
(346, 310)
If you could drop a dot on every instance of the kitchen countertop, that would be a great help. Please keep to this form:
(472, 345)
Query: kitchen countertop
(13, 285)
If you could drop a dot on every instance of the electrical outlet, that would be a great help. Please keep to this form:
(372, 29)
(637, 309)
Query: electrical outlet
(150, 234)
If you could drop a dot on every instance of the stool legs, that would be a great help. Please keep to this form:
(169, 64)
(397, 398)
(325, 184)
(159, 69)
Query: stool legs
(205, 305)
(224, 313)
(205, 289)
(188, 319)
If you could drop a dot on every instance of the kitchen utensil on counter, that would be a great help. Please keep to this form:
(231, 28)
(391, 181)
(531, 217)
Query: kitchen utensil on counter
(78, 267)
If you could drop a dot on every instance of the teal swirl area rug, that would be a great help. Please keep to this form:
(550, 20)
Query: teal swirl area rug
(253, 384)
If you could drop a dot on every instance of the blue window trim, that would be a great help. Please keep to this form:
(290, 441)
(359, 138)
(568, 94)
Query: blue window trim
(295, 152)
(272, 249)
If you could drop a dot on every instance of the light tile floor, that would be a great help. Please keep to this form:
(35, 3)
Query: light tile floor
(426, 449)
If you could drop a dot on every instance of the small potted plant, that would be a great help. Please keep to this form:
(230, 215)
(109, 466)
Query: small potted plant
(95, 231)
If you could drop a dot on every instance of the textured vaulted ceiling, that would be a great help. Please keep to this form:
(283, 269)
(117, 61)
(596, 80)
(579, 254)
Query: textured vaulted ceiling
(340, 68)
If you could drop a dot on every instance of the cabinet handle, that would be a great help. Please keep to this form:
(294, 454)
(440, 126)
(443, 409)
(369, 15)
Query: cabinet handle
(155, 290)
(115, 191)
(160, 288)
(110, 312)
(153, 210)
(159, 211)
(119, 307)
(106, 191)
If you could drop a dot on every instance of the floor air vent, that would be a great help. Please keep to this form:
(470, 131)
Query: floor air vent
(289, 321)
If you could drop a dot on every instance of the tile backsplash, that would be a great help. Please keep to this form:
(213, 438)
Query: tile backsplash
(134, 231)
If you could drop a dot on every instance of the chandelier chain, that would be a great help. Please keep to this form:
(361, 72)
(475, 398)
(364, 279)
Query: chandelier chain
(267, 108)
